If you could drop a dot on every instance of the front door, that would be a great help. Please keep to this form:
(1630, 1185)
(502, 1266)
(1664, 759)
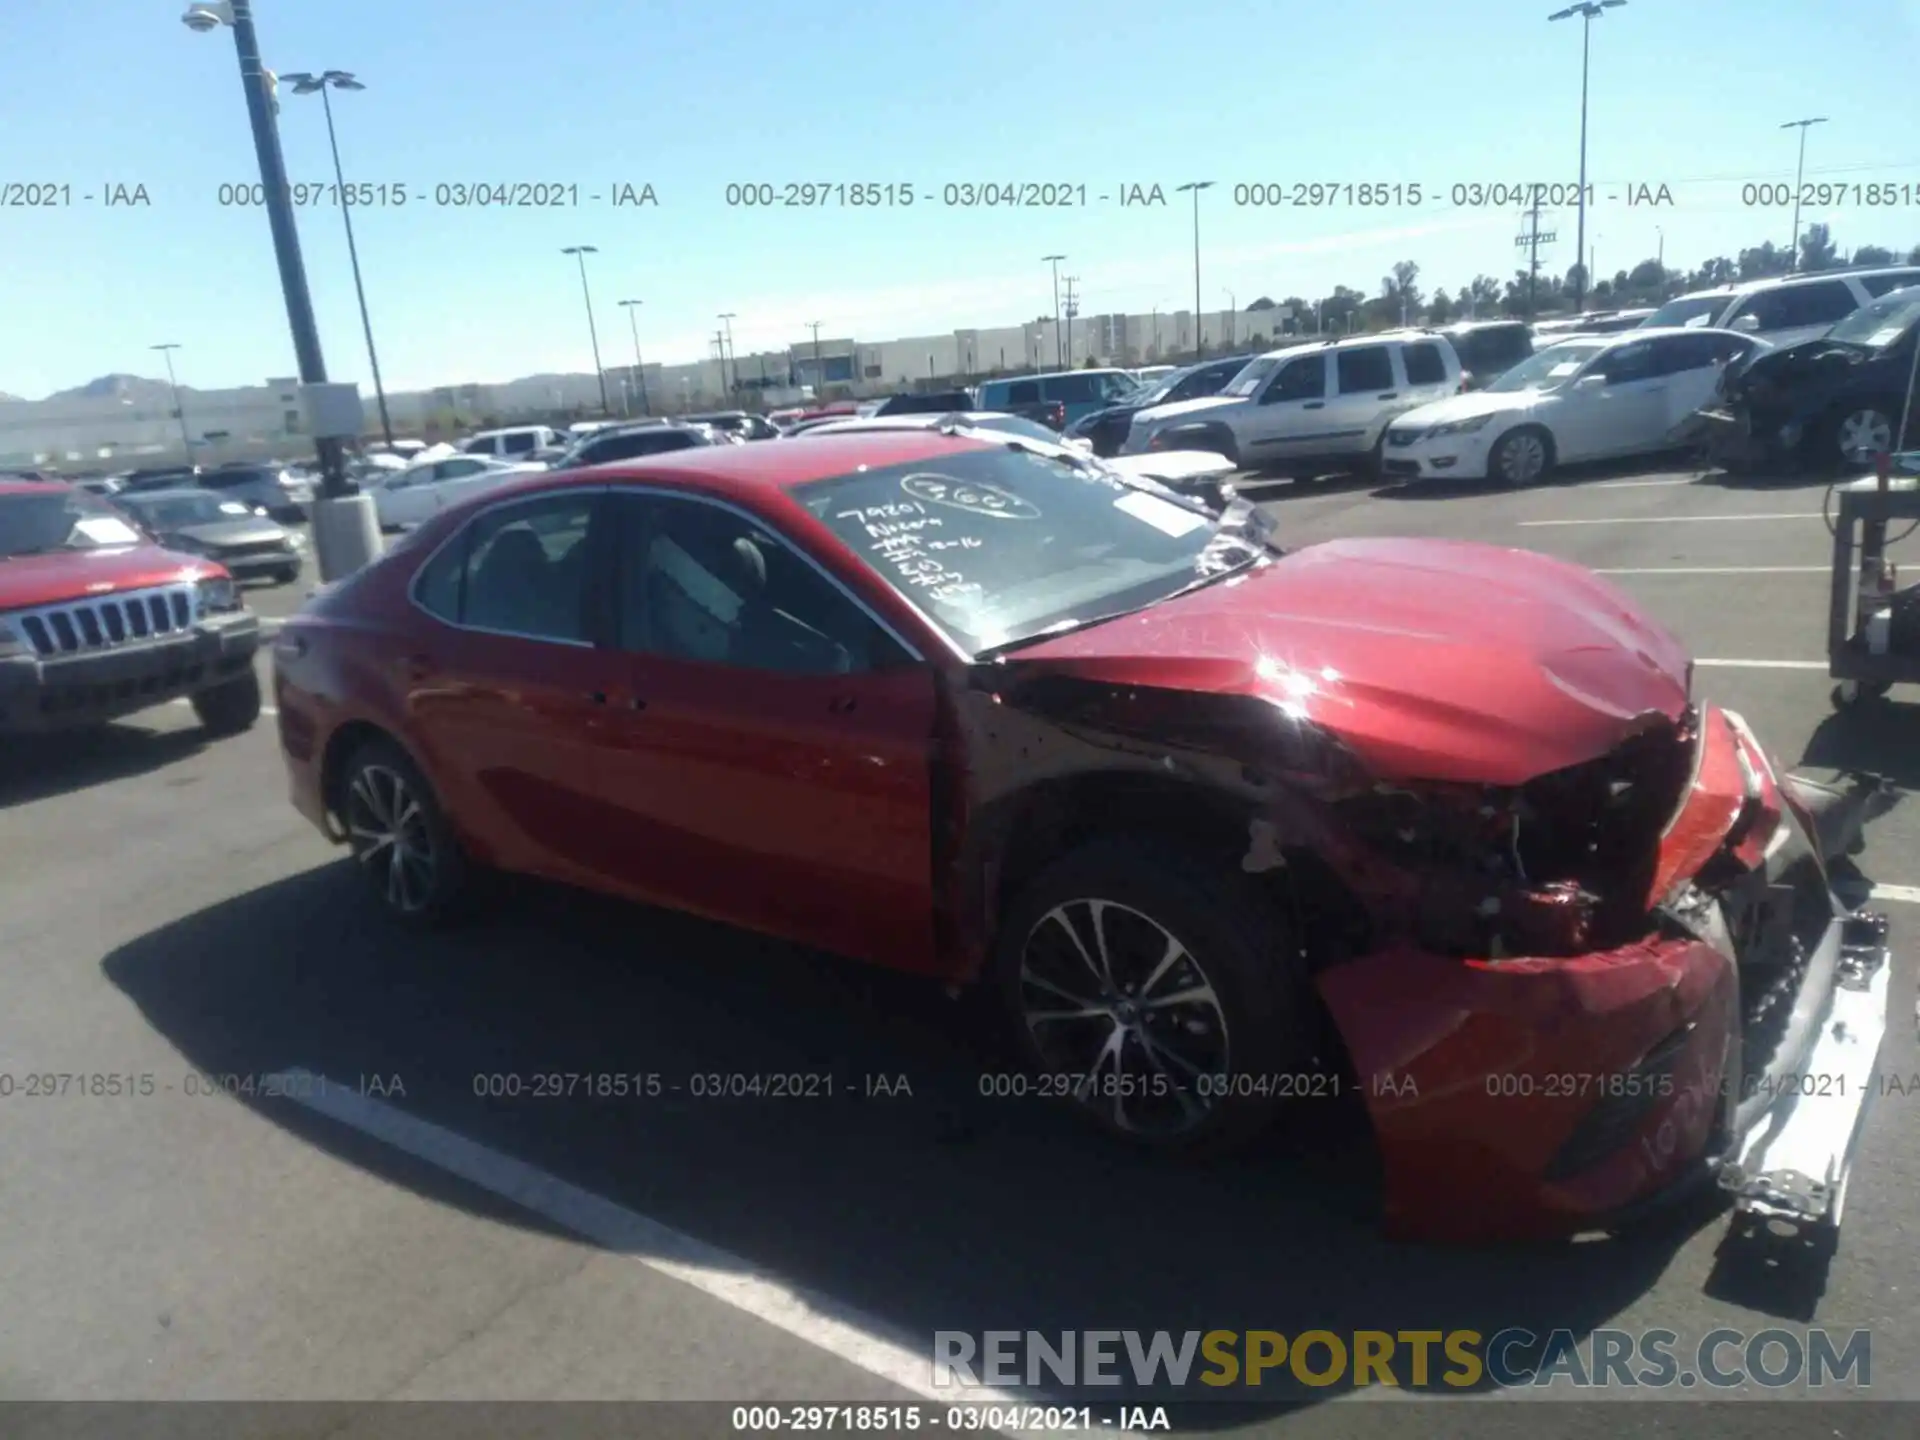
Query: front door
(1615, 416)
(777, 768)
(1289, 419)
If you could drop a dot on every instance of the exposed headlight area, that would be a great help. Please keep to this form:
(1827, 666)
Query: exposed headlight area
(216, 593)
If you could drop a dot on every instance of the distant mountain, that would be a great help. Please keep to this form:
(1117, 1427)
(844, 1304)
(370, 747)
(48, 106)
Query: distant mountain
(6, 399)
(134, 388)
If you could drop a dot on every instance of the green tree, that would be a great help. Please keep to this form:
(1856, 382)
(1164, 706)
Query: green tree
(1762, 262)
(1817, 250)
(1439, 309)
(1263, 303)
(1873, 255)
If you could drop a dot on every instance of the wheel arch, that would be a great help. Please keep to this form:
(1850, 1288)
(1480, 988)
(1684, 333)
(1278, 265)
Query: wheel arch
(1537, 427)
(347, 740)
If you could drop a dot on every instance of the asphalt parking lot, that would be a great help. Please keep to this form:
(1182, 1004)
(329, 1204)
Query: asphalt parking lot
(164, 913)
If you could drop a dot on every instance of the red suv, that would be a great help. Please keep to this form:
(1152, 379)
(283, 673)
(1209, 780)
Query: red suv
(97, 621)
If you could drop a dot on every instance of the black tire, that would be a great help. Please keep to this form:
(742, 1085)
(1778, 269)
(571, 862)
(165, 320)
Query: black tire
(1872, 415)
(426, 895)
(287, 576)
(1850, 694)
(229, 708)
(1257, 1027)
(1504, 465)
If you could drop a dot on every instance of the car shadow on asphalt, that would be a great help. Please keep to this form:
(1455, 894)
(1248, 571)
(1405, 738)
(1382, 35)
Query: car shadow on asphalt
(912, 1194)
(1566, 477)
(1881, 737)
(42, 766)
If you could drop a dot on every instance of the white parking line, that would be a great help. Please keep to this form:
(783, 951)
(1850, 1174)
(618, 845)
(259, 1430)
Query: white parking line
(1639, 484)
(1672, 519)
(264, 709)
(1895, 894)
(1764, 664)
(861, 1340)
(1725, 570)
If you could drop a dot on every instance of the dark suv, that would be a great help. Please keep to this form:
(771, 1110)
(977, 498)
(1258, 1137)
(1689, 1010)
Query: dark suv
(631, 442)
(936, 402)
(1489, 348)
(1107, 428)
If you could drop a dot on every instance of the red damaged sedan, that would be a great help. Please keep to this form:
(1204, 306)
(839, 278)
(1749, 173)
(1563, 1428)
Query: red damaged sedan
(1228, 827)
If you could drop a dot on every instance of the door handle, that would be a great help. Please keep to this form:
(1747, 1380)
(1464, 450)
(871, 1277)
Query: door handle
(1390, 395)
(1314, 405)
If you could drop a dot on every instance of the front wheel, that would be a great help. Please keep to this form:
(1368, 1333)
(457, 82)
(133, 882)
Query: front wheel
(1158, 993)
(1522, 457)
(1861, 433)
(229, 708)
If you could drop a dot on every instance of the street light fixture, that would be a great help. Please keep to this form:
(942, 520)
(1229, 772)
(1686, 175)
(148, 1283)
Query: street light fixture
(346, 527)
(179, 410)
(1799, 174)
(1587, 12)
(725, 349)
(1196, 186)
(1059, 348)
(580, 253)
(306, 84)
(632, 307)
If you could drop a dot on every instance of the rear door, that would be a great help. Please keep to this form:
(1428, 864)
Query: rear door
(1366, 388)
(777, 767)
(1080, 394)
(501, 684)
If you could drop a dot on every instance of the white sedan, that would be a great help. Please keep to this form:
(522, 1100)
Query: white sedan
(410, 497)
(1590, 398)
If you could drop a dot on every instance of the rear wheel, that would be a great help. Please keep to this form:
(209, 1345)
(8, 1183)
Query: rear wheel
(229, 708)
(1860, 432)
(1849, 693)
(400, 836)
(1157, 994)
(1521, 457)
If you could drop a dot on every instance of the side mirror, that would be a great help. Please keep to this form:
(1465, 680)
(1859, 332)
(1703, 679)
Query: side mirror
(1593, 381)
(1746, 325)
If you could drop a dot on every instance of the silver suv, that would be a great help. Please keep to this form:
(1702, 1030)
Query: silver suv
(1311, 408)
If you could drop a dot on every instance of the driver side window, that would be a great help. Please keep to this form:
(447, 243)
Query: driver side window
(1628, 364)
(702, 583)
(1301, 379)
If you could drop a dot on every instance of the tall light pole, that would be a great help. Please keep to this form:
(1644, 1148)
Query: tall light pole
(726, 346)
(1586, 11)
(632, 307)
(305, 84)
(819, 372)
(179, 410)
(1660, 259)
(1799, 174)
(346, 529)
(1196, 186)
(1233, 313)
(580, 253)
(1059, 347)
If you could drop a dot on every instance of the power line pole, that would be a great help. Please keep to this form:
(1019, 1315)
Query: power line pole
(1072, 309)
(819, 371)
(1531, 242)
(1059, 353)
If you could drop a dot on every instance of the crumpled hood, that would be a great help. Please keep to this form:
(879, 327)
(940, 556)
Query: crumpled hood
(1430, 659)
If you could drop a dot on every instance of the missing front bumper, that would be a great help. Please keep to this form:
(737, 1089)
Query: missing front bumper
(1794, 1161)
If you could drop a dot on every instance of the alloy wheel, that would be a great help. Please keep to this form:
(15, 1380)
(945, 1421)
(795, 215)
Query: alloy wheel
(1865, 433)
(387, 828)
(1522, 459)
(1123, 1014)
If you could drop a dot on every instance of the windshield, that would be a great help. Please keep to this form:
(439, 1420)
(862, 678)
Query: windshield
(1251, 378)
(1687, 310)
(1881, 322)
(1017, 425)
(1000, 546)
(1548, 370)
(60, 520)
(175, 512)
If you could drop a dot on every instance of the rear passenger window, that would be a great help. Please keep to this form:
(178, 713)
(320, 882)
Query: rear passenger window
(437, 588)
(1024, 392)
(1878, 285)
(1424, 365)
(517, 570)
(1071, 389)
(1368, 368)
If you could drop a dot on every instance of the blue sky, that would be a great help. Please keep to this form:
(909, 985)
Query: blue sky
(688, 97)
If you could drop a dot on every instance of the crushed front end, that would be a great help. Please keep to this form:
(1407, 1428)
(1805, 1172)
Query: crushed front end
(1595, 992)
(1768, 412)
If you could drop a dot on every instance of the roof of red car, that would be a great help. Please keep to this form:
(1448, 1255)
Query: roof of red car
(787, 463)
(32, 487)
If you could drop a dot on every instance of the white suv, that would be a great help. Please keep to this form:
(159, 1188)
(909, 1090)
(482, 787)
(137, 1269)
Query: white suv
(1785, 311)
(1308, 408)
(516, 443)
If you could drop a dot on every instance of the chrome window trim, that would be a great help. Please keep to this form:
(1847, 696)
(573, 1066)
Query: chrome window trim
(459, 532)
(781, 538)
